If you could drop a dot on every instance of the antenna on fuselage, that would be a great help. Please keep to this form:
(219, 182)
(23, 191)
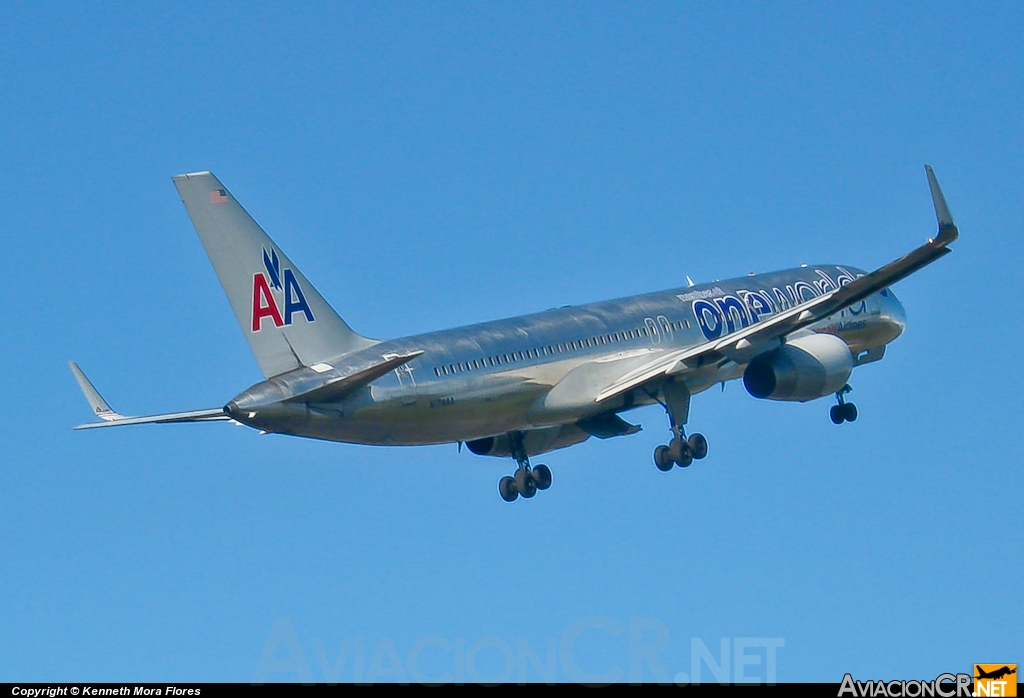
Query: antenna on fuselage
(689, 281)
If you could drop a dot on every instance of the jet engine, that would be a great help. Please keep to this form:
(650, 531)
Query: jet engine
(804, 368)
(537, 441)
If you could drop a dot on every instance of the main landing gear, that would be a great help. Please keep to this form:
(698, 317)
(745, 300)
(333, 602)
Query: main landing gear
(681, 451)
(526, 480)
(843, 411)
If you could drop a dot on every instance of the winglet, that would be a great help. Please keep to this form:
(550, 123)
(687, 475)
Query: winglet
(947, 228)
(95, 400)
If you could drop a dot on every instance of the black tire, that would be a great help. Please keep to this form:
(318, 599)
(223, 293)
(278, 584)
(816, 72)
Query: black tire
(850, 413)
(542, 476)
(507, 489)
(525, 483)
(698, 446)
(663, 459)
(685, 460)
(837, 414)
(678, 449)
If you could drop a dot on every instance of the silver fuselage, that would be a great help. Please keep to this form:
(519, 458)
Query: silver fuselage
(498, 377)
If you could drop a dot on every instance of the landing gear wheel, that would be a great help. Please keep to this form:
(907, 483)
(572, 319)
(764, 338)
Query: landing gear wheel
(525, 483)
(698, 446)
(849, 412)
(679, 450)
(663, 458)
(838, 413)
(507, 489)
(542, 477)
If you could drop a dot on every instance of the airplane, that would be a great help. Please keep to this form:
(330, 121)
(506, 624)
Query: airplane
(524, 386)
(996, 673)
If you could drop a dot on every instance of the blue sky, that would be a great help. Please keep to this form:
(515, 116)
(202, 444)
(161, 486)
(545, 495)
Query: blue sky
(431, 165)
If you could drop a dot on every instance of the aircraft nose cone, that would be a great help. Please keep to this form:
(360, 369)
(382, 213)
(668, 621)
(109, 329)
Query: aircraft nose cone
(231, 409)
(895, 312)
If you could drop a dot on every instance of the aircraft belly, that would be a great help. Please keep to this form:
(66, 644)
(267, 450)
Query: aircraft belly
(410, 419)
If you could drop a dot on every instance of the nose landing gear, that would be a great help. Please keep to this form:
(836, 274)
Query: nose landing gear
(843, 411)
(527, 480)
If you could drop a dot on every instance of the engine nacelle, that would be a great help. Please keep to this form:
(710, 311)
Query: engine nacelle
(536, 441)
(805, 368)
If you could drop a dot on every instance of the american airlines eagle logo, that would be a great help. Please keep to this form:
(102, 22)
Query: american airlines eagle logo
(273, 290)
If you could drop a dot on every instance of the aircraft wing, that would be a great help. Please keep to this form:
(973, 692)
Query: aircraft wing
(750, 341)
(113, 419)
(211, 415)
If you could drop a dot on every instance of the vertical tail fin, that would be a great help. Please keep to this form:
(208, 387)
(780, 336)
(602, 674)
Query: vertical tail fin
(286, 321)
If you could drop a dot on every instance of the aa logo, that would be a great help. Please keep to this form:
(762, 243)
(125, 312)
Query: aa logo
(995, 679)
(268, 288)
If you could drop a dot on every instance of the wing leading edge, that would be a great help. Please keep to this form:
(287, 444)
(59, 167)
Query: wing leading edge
(755, 339)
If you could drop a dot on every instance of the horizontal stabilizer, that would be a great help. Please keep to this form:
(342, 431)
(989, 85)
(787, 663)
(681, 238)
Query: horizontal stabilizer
(337, 388)
(211, 415)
